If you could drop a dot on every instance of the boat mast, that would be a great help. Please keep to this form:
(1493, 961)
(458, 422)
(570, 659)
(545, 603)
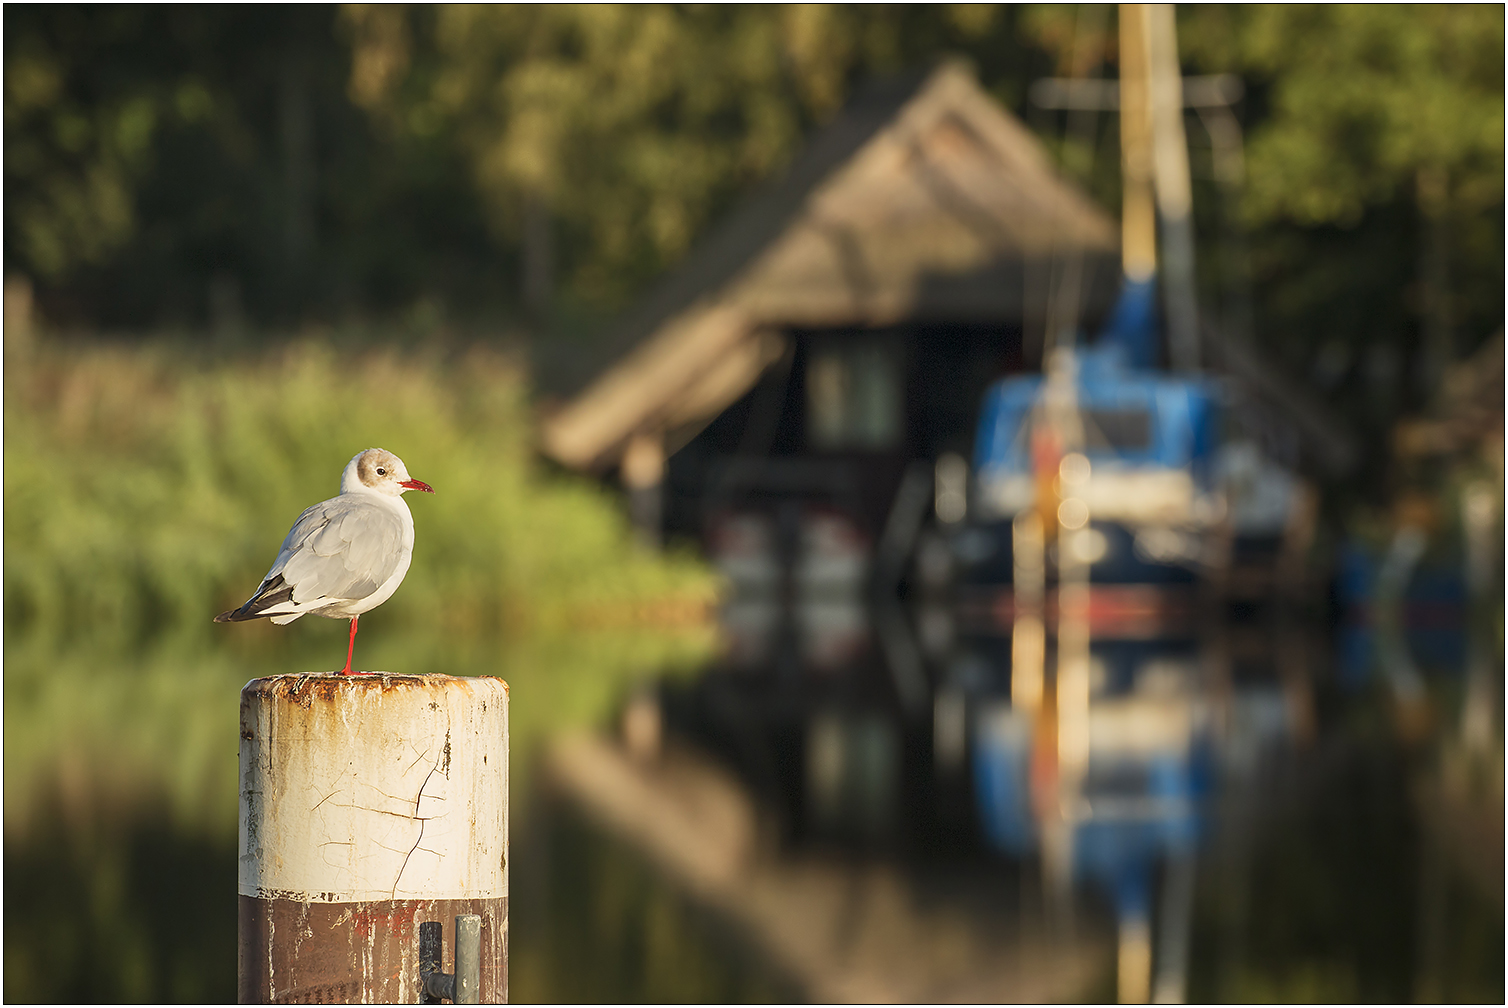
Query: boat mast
(1155, 163)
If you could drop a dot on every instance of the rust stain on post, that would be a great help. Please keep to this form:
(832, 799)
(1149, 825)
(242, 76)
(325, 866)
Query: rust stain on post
(369, 805)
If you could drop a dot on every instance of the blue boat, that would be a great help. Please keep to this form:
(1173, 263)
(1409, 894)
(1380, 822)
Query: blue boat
(1150, 441)
(1135, 450)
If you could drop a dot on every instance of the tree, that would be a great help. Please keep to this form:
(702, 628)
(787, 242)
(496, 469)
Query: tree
(168, 165)
(1360, 99)
(182, 165)
(1375, 181)
(633, 127)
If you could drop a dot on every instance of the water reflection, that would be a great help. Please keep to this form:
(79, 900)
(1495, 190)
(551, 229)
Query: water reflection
(1253, 821)
(1228, 814)
(595, 923)
(121, 797)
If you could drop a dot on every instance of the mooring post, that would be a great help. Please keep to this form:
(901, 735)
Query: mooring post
(370, 806)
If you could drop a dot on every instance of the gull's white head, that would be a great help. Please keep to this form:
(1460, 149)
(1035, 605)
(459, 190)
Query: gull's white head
(378, 471)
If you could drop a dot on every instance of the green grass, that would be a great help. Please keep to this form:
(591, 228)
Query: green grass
(147, 490)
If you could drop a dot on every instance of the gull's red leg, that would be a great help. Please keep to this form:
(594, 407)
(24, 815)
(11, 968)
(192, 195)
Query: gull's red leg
(351, 648)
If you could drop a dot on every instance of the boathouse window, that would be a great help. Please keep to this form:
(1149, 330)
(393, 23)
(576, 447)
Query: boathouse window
(853, 397)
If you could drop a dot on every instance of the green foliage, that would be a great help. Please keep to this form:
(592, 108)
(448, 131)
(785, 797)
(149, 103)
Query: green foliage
(71, 164)
(176, 166)
(1374, 187)
(145, 493)
(634, 125)
(1361, 99)
(172, 166)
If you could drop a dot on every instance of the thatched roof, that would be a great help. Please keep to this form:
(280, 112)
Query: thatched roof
(920, 202)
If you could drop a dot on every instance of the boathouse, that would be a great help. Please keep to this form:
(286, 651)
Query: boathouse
(842, 325)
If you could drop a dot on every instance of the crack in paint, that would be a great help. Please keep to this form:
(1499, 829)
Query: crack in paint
(418, 839)
(339, 864)
(395, 850)
(423, 820)
(400, 815)
(397, 798)
(419, 760)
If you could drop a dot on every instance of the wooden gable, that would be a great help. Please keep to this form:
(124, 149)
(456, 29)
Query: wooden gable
(917, 204)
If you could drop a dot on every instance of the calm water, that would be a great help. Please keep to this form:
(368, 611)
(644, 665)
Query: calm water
(1336, 839)
(121, 799)
(1283, 822)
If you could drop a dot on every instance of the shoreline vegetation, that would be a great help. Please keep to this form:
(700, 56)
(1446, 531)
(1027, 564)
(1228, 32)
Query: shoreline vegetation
(147, 488)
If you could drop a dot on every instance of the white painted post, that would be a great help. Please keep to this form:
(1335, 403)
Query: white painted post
(369, 805)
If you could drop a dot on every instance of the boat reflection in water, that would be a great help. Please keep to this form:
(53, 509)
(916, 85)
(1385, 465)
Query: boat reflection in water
(921, 745)
(1051, 734)
(907, 795)
(1098, 523)
(1050, 702)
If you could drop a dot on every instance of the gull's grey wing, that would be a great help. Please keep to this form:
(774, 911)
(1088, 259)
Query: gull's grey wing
(344, 548)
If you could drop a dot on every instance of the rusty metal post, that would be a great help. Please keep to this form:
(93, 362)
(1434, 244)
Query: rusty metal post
(371, 806)
(434, 988)
(468, 959)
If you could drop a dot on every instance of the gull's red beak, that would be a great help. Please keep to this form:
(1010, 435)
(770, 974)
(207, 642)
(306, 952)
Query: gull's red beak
(416, 485)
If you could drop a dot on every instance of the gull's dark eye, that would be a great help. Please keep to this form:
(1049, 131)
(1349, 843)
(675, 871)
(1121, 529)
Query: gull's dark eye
(381, 472)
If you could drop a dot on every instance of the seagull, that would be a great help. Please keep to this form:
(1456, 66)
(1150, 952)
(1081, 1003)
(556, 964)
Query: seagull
(343, 556)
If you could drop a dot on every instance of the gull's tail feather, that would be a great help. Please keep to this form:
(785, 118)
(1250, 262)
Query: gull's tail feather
(273, 592)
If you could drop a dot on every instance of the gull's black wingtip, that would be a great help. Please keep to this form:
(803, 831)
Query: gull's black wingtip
(270, 593)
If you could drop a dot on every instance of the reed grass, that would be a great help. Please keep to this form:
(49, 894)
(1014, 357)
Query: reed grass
(147, 490)
(144, 494)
